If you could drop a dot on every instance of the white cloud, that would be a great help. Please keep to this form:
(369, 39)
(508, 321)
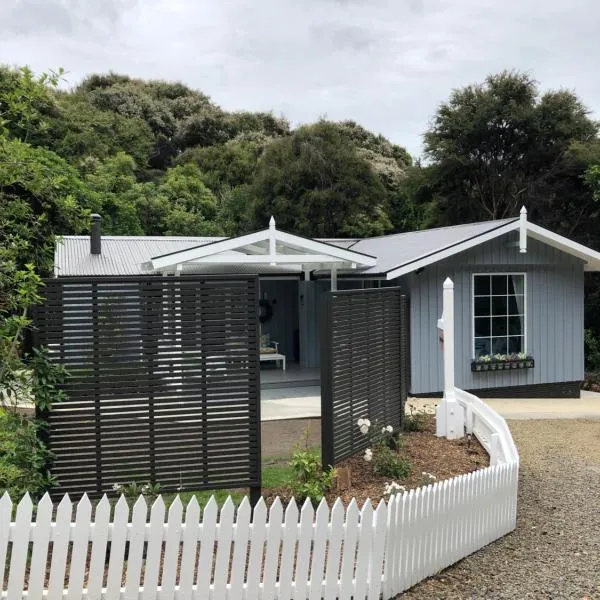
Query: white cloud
(386, 65)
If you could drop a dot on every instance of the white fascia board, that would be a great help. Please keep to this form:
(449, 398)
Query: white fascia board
(591, 257)
(451, 250)
(215, 248)
(257, 259)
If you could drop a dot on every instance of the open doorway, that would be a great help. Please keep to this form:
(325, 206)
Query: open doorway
(281, 336)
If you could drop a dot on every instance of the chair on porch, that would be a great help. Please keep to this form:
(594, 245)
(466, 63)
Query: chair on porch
(269, 350)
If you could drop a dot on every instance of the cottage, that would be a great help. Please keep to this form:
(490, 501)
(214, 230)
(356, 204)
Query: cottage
(519, 292)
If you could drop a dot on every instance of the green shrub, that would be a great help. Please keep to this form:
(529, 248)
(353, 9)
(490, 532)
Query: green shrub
(23, 457)
(415, 419)
(389, 463)
(310, 480)
(592, 351)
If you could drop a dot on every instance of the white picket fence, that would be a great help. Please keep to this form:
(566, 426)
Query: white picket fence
(232, 554)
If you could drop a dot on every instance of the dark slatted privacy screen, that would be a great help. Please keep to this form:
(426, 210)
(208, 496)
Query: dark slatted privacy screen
(164, 381)
(364, 366)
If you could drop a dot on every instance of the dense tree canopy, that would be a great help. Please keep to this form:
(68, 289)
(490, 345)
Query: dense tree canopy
(316, 183)
(159, 158)
(500, 145)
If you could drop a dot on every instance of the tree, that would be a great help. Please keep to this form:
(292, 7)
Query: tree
(79, 130)
(115, 185)
(193, 207)
(315, 183)
(499, 145)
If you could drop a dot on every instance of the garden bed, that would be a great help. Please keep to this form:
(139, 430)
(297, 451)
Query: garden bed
(427, 453)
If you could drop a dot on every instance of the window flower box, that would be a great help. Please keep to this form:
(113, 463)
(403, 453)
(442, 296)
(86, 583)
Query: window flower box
(502, 362)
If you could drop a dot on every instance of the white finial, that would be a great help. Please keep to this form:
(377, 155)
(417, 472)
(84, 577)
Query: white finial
(272, 222)
(523, 231)
(448, 284)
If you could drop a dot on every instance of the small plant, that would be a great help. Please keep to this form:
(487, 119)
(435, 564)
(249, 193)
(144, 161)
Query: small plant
(23, 457)
(310, 480)
(390, 464)
(427, 479)
(415, 419)
(393, 488)
(383, 450)
(133, 490)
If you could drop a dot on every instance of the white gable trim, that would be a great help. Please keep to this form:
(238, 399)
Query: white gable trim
(590, 257)
(310, 252)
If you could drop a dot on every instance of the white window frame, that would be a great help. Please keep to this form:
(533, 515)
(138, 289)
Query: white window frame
(525, 294)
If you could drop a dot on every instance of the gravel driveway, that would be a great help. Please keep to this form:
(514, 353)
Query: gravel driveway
(555, 551)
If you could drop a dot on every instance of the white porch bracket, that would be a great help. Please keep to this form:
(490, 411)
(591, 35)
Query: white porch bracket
(449, 413)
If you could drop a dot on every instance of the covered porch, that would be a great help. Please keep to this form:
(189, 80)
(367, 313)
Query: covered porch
(289, 295)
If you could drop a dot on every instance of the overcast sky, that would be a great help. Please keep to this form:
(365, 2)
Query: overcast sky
(384, 63)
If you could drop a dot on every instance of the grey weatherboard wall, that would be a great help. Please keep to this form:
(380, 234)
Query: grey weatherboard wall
(554, 320)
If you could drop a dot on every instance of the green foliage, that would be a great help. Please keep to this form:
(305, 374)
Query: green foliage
(499, 145)
(80, 130)
(309, 479)
(592, 351)
(23, 457)
(133, 489)
(315, 183)
(389, 463)
(26, 103)
(415, 419)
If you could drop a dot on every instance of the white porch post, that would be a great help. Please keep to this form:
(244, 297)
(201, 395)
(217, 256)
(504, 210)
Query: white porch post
(334, 278)
(449, 413)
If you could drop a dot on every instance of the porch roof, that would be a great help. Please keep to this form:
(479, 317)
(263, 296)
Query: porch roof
(263, 250)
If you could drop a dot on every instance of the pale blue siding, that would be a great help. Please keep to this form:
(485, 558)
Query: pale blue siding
(554, 316)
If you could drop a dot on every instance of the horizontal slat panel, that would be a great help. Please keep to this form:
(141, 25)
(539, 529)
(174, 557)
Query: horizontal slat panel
(164, 381)
(364, 359)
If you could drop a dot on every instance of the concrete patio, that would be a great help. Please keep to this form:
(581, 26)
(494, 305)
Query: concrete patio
(301, 402)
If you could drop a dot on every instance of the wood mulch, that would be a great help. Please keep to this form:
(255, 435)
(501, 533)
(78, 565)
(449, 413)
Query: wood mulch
(427, 453)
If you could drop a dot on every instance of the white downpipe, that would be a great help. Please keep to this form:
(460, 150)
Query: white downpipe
(523, 230)
(450, 421)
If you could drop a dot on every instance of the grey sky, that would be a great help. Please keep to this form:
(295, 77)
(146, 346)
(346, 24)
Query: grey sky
(384, 63)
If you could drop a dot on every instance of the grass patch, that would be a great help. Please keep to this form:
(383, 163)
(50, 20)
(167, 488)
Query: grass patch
(276, 473)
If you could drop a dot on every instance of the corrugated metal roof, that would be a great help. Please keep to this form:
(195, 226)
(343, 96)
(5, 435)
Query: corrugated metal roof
(124, 255)
(121, 255)
(400, 249)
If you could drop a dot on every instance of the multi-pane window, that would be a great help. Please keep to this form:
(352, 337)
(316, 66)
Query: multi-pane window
(499, 314)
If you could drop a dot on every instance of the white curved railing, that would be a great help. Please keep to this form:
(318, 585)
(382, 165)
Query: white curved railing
(488, 427)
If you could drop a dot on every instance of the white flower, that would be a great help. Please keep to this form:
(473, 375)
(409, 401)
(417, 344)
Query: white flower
(389, 429)
(394, 488)
(116, 487)
(367, 422)
(368, 455)
(360, 422)
(146, 488)
(364, 429)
